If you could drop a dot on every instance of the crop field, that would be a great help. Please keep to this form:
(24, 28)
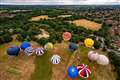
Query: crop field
(87, 24)
(37, 18)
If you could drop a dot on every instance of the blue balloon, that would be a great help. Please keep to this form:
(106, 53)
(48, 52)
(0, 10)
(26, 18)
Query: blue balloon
(13, 51)
(24, 45)
(73, 47)
(72, 72)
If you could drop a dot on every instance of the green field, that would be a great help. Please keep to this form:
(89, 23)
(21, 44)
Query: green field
(43, 68)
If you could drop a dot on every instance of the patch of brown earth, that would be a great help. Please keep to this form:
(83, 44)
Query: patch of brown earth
(87, 24)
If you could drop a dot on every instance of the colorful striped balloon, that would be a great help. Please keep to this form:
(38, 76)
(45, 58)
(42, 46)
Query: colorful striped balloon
(83, 71)
(55, 59)
(28, 51)
(39, 51)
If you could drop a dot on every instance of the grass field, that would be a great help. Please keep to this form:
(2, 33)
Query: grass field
(43, 68)
(87, 24)
(40, 68)
(15, 68)
(59, 72)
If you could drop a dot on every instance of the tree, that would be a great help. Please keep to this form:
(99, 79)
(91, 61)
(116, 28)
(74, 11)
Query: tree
(6, 38)
(75, 38)
(97, 44)
(43, 41)
(115, 60)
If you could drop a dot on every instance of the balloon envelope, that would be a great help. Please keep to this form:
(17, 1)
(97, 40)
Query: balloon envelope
(89, 42)
(55, 59)
(28, 51)
(39, 51)
(103, 60)
(48, 46)
(83, 71)
(72, 72)
(93, 56)
(25, 45)
(13, 51)
(73, 47)
(66, 36)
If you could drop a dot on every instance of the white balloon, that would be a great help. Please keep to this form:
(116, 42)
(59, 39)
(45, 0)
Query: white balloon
(55, 59)
(39, 51)
(93, 56)
(103, 60)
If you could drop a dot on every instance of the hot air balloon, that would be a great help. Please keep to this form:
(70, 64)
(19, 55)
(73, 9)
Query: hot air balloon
(39, 51)
(102, 60)
(66, 36)
(72, 72)
(55, 59)
(83, 71)
(28, 51)
(93, 56)
(25, 45)
(73, 47)
(89, 42)
(48, 46)
(13, 51)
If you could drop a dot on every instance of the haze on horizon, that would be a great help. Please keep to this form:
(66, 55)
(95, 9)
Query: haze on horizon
(60, 2)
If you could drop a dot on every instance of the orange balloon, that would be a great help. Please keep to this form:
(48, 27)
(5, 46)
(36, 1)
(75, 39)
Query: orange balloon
(66, 36)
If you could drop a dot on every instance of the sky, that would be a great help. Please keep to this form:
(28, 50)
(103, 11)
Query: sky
(60, 2)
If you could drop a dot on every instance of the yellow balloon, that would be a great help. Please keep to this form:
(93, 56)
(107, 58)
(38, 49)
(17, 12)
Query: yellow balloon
(89, 42)
(48, 46)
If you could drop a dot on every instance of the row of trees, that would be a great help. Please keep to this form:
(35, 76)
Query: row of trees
(115, 60)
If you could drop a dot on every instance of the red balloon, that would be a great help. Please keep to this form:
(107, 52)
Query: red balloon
(83, 71)
(66, 36)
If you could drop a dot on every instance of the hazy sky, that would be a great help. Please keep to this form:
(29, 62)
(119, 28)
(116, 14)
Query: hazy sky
(59, 2)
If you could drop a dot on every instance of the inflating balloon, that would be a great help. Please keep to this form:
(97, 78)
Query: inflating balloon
(88, 42)
(102, 60)
(48, 46)
(55, 59)
(66, 36)
(39, 51)
(13, 51)
(25, 45)
(83, 71)
(28, 51)
(73, 47)
(72, 72)
(93, 56)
